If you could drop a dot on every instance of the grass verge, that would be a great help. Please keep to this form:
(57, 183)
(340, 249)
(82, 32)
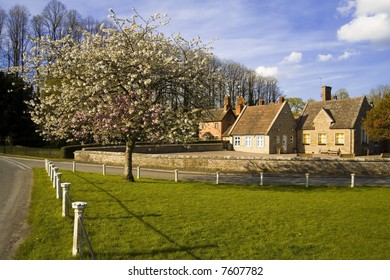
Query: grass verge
(153, 219)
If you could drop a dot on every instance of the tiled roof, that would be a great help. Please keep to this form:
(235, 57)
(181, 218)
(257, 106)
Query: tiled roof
(213, 115)
(256, 120)
(344, 112)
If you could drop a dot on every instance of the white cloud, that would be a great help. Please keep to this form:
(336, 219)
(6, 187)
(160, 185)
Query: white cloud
(330, 57)
(346, 55)
(324, 57)
(293, 58)
(267, 71)
(371, 21)
(347, 7)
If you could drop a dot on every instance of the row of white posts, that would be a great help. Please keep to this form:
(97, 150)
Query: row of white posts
(78, 207)
(217, 175)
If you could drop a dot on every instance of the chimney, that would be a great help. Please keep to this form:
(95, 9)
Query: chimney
(326, 93)
(240, 105)
(227, 104)
(281, 99)
(261, 101)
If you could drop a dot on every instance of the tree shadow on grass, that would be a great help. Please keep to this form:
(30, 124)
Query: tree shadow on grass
(145, 254)
(140, 218)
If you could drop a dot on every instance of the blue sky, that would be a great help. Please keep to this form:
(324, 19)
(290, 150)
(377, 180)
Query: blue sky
(305, 44)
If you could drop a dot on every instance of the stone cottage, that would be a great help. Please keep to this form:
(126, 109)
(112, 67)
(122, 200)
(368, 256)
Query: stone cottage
(333, 126)
(266, 129)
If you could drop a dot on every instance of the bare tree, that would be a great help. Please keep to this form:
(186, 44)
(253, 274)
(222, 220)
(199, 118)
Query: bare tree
(17, 27)
(341, 94)
(73, 24)
(378, 93)
(54, 16)
(37, 26)
(3, 16)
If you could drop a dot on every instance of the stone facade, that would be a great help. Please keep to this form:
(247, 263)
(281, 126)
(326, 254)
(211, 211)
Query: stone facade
(334, 126)
(265, 129)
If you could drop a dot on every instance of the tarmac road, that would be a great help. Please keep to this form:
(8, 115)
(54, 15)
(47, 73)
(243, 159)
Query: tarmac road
(16, 183)
(15, 190)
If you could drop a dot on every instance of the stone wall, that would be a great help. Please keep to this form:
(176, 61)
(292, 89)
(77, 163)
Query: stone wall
(283, 164)
(163, 149)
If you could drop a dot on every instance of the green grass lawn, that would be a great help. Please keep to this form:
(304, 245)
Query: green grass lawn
(153, 219)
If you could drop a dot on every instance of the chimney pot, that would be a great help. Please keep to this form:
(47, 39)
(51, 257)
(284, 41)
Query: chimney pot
(240, 105)
(227, 104)
(326, 93)
(261, 101)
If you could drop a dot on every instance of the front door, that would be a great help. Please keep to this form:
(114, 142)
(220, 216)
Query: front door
(284, 143)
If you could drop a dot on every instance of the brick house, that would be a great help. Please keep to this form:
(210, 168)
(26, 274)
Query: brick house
(215, 122)
(266, 129)
(333, 126)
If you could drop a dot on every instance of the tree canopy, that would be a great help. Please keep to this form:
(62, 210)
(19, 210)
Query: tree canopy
(125, 84)
(377, 121)
(16, 126)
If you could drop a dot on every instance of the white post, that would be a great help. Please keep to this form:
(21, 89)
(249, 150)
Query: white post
(176, 175)
(261, 178)
(65, 197)
(47, 165)
(104, 169)
(138, 172)
(74, 166)
(55, 171)
(58, 186)
(352, 180)
(77, 230)
(217, 178)
(307, 180)
(52, 172)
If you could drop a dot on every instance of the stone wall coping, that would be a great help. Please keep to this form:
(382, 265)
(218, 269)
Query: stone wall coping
(284, 157)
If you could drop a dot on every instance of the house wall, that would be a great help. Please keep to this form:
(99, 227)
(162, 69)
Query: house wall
(283, 133)
(216, 128)
(281, 137)
(253, 148)
(315, 148)
(227, 121)
(213, 128)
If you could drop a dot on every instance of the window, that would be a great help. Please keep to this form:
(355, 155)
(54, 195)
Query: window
(364, 137)
(278, 139)
(321, 138)
(248, 141)
(260, 141)
(291, 139)
(237, 141)
(339, 138)
(306, 139)
(216, 125)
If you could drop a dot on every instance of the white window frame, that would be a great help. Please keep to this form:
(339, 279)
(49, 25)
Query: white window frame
(260, 141)
(248, 141)
(237, 141)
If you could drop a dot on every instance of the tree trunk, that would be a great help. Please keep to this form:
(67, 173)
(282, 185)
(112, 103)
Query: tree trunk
(128, 172)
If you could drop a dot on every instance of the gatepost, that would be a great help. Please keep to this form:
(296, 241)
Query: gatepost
(77, 229)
